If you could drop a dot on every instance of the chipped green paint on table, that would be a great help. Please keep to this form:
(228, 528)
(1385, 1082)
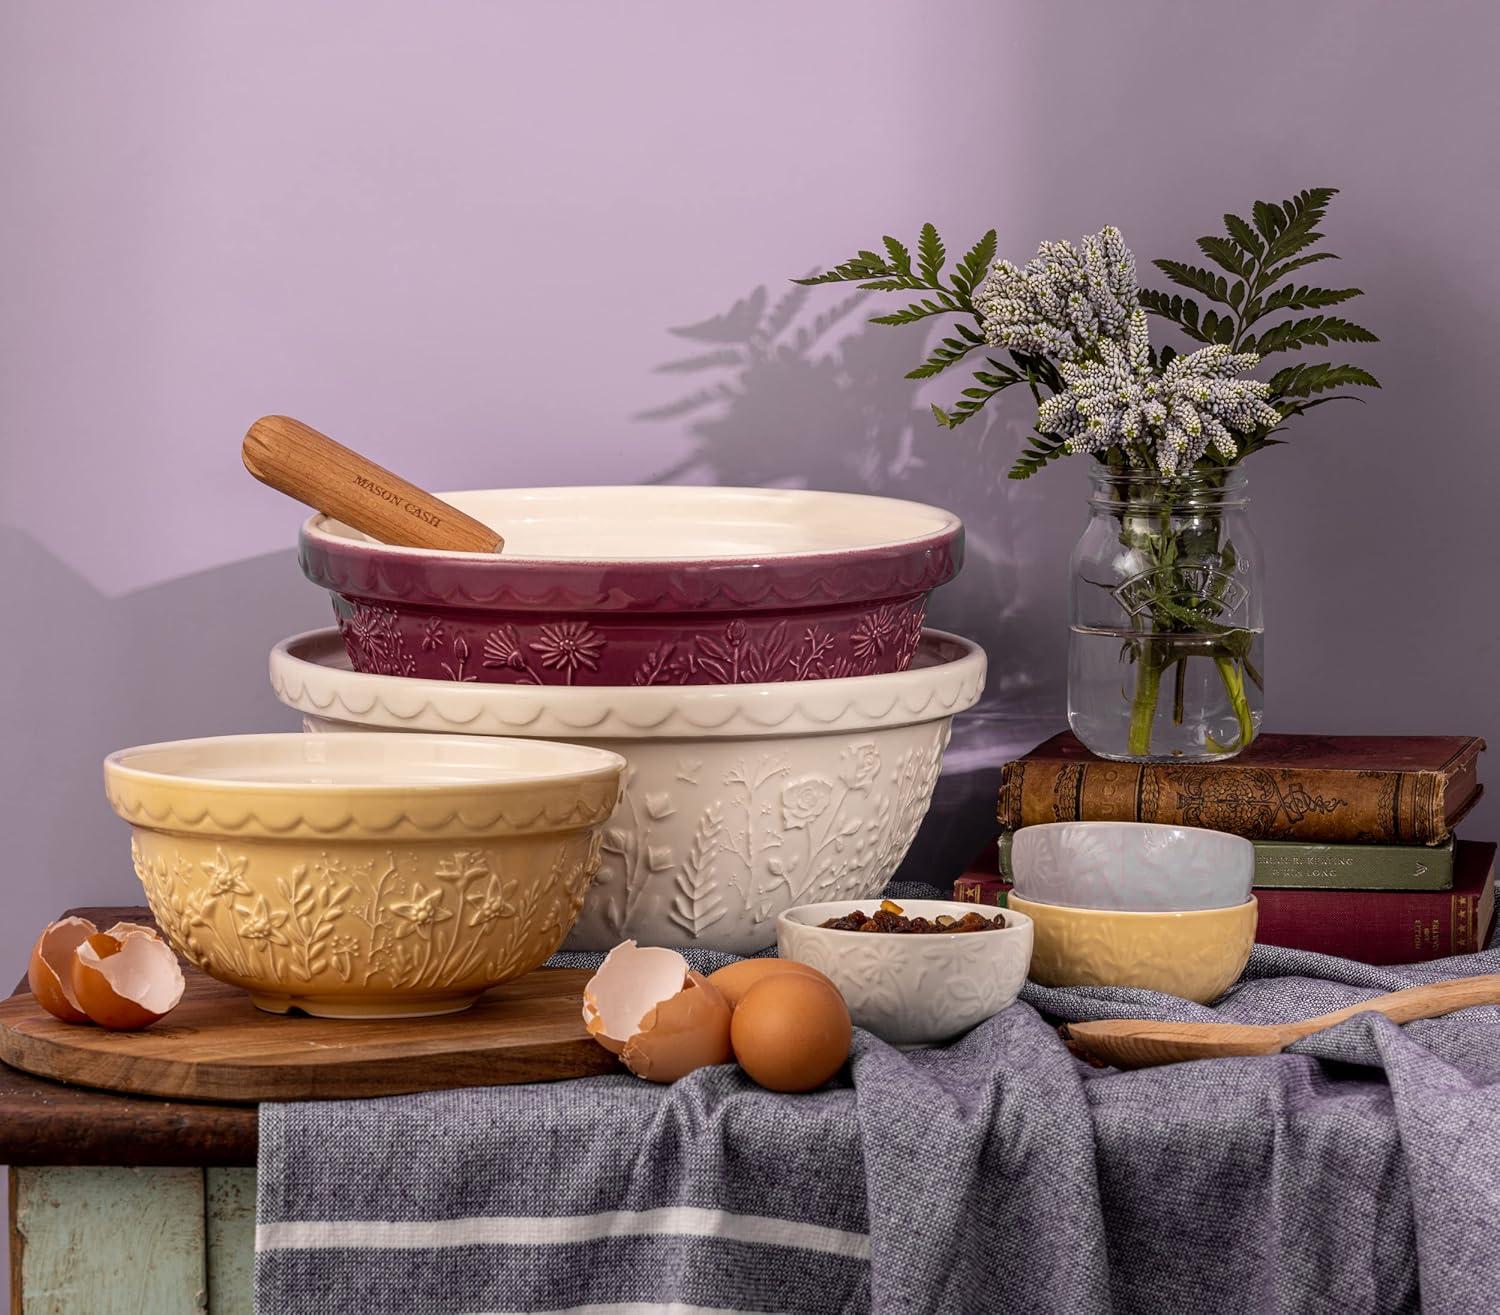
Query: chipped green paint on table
(131, 1240)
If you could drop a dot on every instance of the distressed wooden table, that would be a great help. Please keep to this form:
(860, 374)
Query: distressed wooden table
(126, 1204)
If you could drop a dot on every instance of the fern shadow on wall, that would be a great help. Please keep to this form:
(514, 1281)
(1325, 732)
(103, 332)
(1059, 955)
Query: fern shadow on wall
(781, 397)
(773, 394)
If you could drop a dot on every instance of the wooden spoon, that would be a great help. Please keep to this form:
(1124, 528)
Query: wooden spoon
(328, 477)
(1140, 1043)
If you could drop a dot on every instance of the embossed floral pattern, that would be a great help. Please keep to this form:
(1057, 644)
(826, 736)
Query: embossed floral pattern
(744, 650)
(502, 651)
(457, 668)
(1194, 955)
(1251, 802)
(882, 641)
(387, 923)
(708, 847)
(225, 877)
(568, 646)
(1128, 866)
(375, 641)
(494, 900)
(260, 924)
(861, 764)
(421, 912)
(804, 801)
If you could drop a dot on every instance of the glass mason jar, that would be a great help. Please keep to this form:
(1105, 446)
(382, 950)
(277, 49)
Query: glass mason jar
(1164, 659)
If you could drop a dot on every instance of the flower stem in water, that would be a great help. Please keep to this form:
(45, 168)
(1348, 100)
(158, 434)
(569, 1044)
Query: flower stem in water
(1143, 705)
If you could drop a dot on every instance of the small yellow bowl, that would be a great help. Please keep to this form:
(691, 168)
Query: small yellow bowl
(1197, 954)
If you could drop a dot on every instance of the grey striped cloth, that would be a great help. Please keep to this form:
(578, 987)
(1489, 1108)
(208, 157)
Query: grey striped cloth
(998, 1173)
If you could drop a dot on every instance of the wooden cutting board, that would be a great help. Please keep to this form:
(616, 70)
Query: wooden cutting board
(218, 1046)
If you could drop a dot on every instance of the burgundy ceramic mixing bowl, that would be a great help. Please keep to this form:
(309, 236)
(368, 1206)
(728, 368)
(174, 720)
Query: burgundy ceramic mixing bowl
(654, 585)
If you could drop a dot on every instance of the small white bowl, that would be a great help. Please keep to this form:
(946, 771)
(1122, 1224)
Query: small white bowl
(918, 989)
(1134, 867)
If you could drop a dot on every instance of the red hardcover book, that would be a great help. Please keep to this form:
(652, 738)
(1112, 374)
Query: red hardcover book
(1325, 789)
(1387, 926)
(1371, 926)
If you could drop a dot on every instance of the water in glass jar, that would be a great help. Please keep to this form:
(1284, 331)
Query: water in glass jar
(1164, 697)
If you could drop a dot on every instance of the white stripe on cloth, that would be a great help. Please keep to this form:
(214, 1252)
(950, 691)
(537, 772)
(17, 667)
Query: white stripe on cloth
(557, 1230)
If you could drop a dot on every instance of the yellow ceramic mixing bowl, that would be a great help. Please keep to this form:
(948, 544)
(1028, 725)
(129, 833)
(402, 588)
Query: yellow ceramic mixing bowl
(365, 876)
(1196, 954)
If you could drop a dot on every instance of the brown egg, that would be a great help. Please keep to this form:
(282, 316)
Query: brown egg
(50, 972)
(737, 978)
(126, 982)
(791, 1032)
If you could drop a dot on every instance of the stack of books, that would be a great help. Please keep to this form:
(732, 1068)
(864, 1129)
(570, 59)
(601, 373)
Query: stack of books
(1354, 847)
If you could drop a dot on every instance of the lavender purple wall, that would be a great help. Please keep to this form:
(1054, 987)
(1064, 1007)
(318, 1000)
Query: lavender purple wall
(467, 236)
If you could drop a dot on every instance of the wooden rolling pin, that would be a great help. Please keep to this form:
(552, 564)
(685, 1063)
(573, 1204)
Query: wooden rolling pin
(1139, 1043)
(304, 464)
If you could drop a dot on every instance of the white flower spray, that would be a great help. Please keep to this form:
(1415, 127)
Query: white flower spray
(1081, 309)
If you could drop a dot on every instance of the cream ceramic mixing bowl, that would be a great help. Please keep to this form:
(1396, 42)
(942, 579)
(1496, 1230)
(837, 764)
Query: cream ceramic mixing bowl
(740, 801)
(912, 989)
(370, 876)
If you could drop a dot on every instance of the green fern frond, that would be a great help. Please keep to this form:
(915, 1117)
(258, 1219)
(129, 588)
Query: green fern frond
(1213, 286)
(864, 265)
(986, 384)
(1044, 449)
(1291, 297)
(1245, 236)
(1217, 328)
(947, 352)
(931, 254)
(1181, 311)
(899, 255)
(941, 304)
(971, 270)
(1315, 331)
(1307, 379)
(1292, 220)
(1278, 272)
(1227, 255)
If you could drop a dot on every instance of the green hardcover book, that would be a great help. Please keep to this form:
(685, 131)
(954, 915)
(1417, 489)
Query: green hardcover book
(1295, 865)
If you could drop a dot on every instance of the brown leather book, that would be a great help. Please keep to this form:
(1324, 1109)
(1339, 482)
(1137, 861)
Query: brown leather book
(1331, 789)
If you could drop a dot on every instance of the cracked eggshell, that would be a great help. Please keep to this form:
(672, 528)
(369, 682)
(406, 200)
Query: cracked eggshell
(735, 979)
(122, 929)
(630, 983)
(49, 972)
(126, 982)
(686, 1031)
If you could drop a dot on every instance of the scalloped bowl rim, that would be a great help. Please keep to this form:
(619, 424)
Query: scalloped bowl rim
(1225, 912)
(847, 513)
(687, 711)
(1138, 828)
(494, 763)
